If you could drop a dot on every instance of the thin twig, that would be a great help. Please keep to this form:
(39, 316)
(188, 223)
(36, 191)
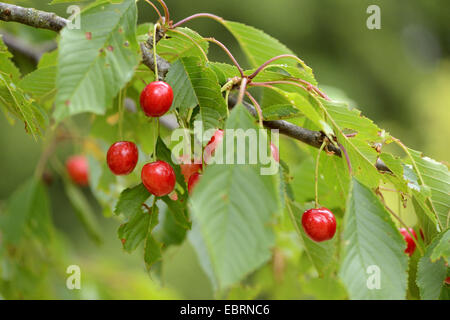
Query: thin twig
(198, 15)
(258, 108)
(224, 48)
(156, 9)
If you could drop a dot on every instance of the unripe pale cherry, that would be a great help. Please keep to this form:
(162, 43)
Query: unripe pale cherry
(158, 177)
(193, 180)
(275, 152)
(156, 98)
(122, 157)
(319, 224)
(411, 245)
(78, 169)
(215, 140)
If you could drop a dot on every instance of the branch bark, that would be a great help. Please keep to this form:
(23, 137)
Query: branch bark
(31, 17)
(46, 20)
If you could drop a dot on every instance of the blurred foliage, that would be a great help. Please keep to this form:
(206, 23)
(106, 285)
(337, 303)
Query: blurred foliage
(399, 76)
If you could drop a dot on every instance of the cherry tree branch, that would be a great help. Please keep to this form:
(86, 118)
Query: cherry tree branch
(31, 17)
(46, 20)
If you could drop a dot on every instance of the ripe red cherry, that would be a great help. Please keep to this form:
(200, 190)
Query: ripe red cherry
(193, 181)
(156, 98)
(447, 280)
(158, 177)
(187, 169)
(215, 140)
(275, 153)
(319, 224)
(411, 245)
(77, 167)
(122, 157)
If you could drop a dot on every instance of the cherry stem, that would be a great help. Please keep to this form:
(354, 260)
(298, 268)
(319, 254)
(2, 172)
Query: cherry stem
(198, 15)
(220, 44)
(315, 88)
(309, 85)
(316, 174)
(347, 158)
(193, 41)
(242, 90)
(166, 11)
(257, 107)
(156, 9)
(155, 138)
(268, 84)
(227, 94)
(121, 109)
(265, 64)
(154, 51)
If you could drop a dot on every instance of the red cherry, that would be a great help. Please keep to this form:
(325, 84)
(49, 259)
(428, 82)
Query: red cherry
(275, 153)
(122, 157)
(77, 167)
(156, 98)
(447, 280)
(319, 224)
(158, 177)
(215, 140)
(187, 170)
(411, 245)
(193, 181)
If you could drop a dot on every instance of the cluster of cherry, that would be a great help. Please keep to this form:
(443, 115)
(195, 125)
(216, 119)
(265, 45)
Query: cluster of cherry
(159, 177)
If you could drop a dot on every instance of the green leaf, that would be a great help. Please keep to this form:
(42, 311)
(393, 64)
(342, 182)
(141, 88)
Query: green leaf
(204, 83)
(169, 230)
(260, 47)
(431, 275)
(434, 176)
(40, 83)
(306, 108)
(7, 67)
(442, 248)
(280, 111)
(13, 100)
(96, 61)
(177, 45)
(66, 1)
(359, 148)
(352, 119)
(27, 213)
(372, 239)
(184, 97)
(178, 211)
(134, 231)
(131, 200)
(152, 251)
(83, 210)
(333, 181)
(231, 208)
(427, 221)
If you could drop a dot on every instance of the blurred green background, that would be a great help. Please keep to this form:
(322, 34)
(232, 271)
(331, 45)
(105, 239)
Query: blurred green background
(398, 76)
